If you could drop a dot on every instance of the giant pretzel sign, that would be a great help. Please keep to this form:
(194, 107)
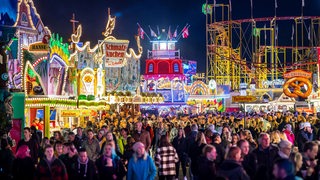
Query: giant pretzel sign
(296, 80)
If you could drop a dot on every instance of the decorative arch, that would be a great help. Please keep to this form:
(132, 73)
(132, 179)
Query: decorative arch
(199, 88)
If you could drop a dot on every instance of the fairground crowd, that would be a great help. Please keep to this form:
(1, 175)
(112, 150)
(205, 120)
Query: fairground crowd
(281, 146)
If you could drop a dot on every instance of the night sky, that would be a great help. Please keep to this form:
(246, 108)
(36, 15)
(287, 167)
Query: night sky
(92, 14)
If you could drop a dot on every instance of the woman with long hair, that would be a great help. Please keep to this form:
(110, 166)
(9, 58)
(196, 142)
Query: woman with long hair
(166, 158)
(109, 164)
(23, 167)
(180, 144)
(196, 151)
(231, 168)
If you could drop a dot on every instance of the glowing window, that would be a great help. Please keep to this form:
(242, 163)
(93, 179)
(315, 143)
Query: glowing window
(150, 68)
(163, 46)
(175, 67)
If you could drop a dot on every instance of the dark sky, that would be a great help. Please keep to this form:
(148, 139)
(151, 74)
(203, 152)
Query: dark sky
(92, 14)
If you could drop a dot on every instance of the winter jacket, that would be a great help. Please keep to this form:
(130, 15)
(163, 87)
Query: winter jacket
(232, 170)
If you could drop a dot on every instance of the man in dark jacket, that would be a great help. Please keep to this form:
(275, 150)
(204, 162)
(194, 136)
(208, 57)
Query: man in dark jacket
(84, 168)
(207, 168)
(31, 143)
(262, 157)
(142, 136)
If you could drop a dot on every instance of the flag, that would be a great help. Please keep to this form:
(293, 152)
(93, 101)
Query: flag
(175, 33)
(185, 32)
(141, 32)
(275, 4)
(302, 3)
(230, 5)
(292, 32)
(153, 34)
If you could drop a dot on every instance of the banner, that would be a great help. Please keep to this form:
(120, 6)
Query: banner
(115, 52)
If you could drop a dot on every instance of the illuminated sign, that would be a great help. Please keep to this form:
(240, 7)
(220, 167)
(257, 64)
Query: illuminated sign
(115, 52)
(298, 73)
(70, 113)
(39, 47)
(243, 99)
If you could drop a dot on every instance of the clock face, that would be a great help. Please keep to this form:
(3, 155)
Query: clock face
(212, 84)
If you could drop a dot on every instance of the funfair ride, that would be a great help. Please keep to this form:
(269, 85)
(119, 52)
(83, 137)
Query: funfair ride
(253, 55)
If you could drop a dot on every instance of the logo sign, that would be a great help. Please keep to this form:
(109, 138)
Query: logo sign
(70, 113)
(243, 99)
(298, 73)
(298, 84)
(115, 52)
(39, 47)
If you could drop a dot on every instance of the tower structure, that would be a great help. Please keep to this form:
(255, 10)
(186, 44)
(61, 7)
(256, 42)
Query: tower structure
(164, 70)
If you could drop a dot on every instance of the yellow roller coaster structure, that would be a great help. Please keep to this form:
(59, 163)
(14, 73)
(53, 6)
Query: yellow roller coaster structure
(251, 50)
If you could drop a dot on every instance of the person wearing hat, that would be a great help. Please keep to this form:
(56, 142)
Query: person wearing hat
(141, 166)
(304, 135)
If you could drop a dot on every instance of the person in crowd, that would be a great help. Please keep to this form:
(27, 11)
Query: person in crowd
(69, 158)
(226, 137)
(142, 136)
(23, 166)
(45, 141)
(220, 150)
(304, 135)
(101, 137)
(166, 158)
(58, 148)
(283, 170)
(275, 138)
(296, 158)
(72, 138)
(231, 168)
(6, 160)
(34, 135)
(109, 164)
(309, 165)
(92, 146)
(128, 150)
(245, 160)
(246, 134)
(141, 166)
(207, 167)
(81, 136)
(31, 143)
(180, 144)
(234, 139)
(122, 140)
(58, 136)
(159, 131)
(51, 167)
(195, 152)
(84, 168)
(284, 152)
(208, 134)
(110, 139)
(262, 157)
(289, 134)
(191, 137)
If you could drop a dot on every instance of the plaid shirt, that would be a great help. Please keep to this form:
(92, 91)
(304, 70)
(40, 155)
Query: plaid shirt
(166, 159)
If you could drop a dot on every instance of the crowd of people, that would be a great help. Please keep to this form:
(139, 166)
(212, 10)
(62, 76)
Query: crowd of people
(281, 146)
